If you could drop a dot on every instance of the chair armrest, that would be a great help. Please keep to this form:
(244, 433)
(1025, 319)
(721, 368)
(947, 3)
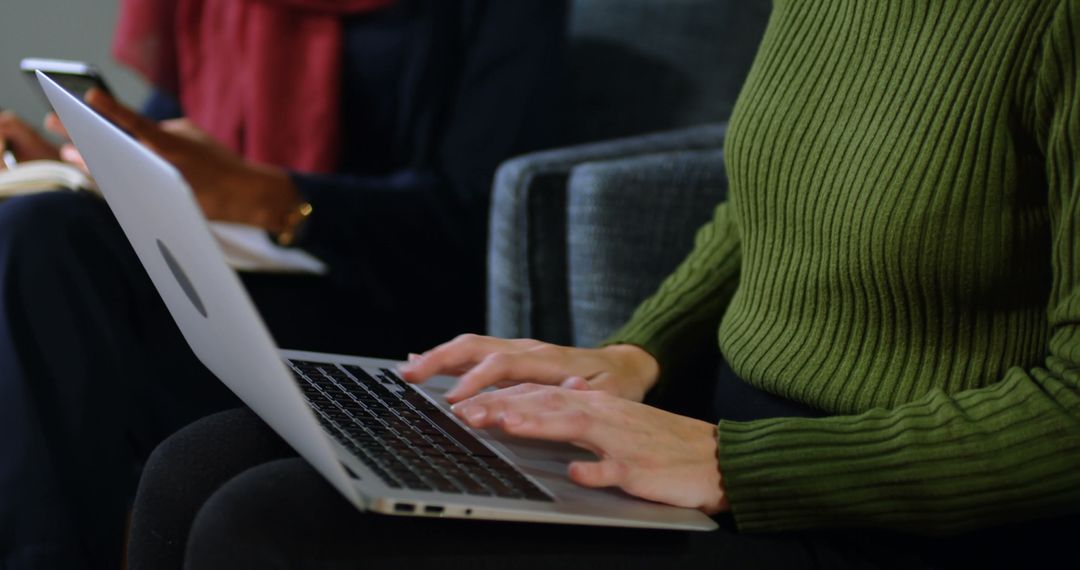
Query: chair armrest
(629, 224)
(527, 267)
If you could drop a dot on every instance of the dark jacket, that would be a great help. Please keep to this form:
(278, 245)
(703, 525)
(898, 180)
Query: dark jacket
(436, 93)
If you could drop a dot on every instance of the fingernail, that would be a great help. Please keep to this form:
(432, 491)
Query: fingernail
(574, 383)
(413, 356)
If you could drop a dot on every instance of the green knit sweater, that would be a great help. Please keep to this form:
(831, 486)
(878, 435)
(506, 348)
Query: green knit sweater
(900, 248)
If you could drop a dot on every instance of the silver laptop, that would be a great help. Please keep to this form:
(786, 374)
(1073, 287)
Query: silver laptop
(386, 445)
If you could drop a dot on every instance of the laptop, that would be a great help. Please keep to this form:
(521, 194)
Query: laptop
(386, 445)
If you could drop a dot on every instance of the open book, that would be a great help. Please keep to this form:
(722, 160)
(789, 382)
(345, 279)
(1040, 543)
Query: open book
(246, 248)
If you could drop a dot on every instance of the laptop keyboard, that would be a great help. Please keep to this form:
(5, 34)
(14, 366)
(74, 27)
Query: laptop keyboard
(401, 436)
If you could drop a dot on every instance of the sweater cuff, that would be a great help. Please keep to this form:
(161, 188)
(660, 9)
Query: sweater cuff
(787, 474)
(841, 471)
(897, 469)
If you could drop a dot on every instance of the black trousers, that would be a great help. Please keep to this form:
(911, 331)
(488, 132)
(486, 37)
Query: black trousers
(225, 492)
(94, 373)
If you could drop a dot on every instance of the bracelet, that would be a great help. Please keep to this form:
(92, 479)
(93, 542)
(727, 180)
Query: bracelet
(294, 224)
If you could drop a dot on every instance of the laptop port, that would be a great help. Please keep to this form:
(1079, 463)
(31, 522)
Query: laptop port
(433, 510)
(404, 507)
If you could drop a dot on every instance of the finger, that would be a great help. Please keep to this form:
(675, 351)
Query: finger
(55, 126)
(460, 353)
(140, 127)
(506, 406)
(572, 426)
(544, 366)
(606, 473)
(71, 155)
(8, 120)
(14, 130)
(485, 410)
(23, 140)
(177, 125)
(183, 127)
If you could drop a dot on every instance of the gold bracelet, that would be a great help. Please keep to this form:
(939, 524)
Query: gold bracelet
(294, 223)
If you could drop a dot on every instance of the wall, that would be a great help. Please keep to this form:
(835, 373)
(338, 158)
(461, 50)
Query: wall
(62, 29)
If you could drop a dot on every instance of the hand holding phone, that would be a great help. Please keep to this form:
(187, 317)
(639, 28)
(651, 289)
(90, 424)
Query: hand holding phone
(75, 76)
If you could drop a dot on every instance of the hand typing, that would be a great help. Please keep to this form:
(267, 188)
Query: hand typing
(644, 451)
(622, 370)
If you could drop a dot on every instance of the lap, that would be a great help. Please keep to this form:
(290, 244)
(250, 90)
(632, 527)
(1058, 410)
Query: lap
(282, 514)
(258, 505)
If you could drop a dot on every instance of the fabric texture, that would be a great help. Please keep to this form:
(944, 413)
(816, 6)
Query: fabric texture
(899, 249)
(262, 77)
(612, 237)
(635, 66)
(528, 281)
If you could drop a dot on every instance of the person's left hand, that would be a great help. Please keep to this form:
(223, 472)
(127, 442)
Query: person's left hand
(22, 140)
(645, 451)
(227, 187)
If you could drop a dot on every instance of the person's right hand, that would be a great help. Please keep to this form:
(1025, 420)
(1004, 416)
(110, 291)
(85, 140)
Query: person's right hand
(23, 140)
(623, 370)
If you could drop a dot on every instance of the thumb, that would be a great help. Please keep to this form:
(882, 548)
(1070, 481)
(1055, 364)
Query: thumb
(71, 155)
(140, 127)
(55, 126)
(606, 473)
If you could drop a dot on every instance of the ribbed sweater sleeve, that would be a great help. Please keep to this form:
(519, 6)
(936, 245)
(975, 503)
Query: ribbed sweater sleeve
(945, 463)
(690, 301)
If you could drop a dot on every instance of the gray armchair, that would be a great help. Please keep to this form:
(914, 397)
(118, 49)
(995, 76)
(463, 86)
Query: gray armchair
(580, 236)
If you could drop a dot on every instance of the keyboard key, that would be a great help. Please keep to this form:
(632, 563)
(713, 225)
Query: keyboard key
(414, 445)
(452, 428)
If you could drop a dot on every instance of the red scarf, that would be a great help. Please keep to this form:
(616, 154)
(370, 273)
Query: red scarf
(261, 76)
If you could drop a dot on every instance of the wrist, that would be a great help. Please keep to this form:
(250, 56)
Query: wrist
(637, 365)
(277, 198)
(717, 500)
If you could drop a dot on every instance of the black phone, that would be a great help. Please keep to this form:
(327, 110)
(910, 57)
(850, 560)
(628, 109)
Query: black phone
(75, 76)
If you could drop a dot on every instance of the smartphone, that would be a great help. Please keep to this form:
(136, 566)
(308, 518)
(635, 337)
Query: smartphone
(75, 76)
